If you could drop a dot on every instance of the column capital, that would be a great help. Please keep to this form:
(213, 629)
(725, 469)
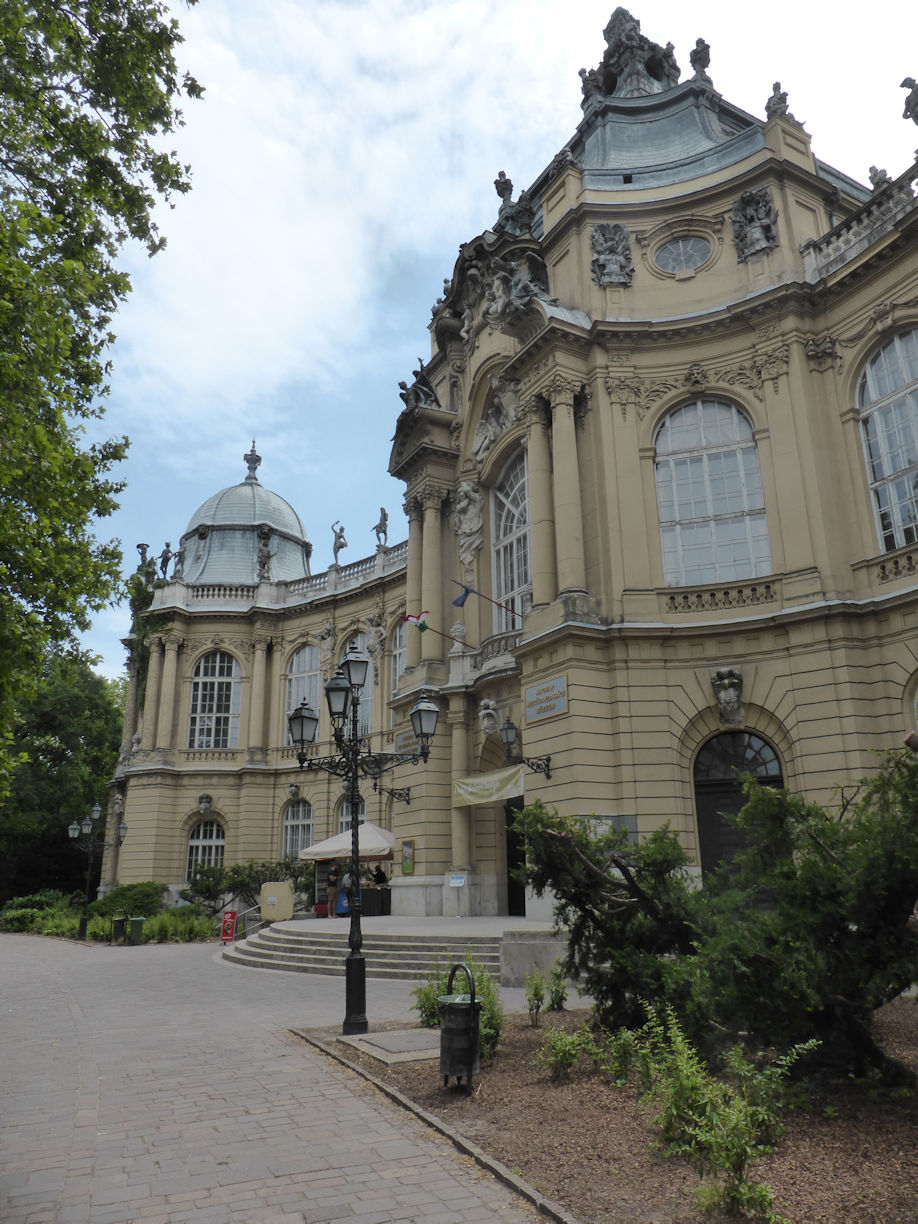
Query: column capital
(413, 507)
(432, 496)
(172, 642)
(561, 391)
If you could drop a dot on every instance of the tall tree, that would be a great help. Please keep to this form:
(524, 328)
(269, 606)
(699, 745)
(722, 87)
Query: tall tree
(67, 734)
(87, 90)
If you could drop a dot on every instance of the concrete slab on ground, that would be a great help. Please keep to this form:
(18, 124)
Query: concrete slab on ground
(398, 1045)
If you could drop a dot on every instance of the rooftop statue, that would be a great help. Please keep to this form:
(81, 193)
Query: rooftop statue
(911, 102)
(632, 65)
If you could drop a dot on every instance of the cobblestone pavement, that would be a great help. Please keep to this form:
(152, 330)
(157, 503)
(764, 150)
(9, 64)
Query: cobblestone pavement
(159, 1085)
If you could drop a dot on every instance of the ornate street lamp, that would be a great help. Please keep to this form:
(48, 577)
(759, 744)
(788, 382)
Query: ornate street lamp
(510, 735)
(91, 846)
(353, 762)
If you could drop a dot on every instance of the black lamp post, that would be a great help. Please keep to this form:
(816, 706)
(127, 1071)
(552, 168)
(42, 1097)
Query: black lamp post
(509, 735)
(91, 846)
(354, 761)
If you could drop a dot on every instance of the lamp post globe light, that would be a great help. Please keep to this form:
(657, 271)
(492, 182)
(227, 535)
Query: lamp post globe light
(82, 834)
(356, 760)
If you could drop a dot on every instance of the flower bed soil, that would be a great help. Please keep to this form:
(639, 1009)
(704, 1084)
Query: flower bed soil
(849, 1157)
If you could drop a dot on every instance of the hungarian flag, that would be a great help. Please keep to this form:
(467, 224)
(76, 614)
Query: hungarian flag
(418, 619)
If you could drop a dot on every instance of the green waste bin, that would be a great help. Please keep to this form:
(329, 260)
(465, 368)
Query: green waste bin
(118, 926)
(460, 1031)
(135, 930)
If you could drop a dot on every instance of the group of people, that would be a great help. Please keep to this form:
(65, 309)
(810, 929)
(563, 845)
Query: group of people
(335, 882)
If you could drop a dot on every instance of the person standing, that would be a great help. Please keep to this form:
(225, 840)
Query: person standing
(333, 885)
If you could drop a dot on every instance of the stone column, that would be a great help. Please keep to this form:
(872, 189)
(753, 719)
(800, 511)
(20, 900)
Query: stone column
(432, 572)
(151, 699)
(541, 518)
(109, 873)
(129, 725)
(168, 703)
(568, 511)
(257, 693)
(461, 852)
(413, 584)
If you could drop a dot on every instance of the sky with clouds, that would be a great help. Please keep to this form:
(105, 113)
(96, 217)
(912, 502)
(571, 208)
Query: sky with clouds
(343, 151)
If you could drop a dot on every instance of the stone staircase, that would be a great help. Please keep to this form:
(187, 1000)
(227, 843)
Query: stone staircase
(411, 957)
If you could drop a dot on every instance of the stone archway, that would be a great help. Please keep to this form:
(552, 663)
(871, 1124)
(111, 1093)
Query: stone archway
(717, 789)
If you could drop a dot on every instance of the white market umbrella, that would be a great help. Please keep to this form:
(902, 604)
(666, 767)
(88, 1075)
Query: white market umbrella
(375, 843)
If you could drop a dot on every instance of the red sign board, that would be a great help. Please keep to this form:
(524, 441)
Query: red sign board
(229, 927)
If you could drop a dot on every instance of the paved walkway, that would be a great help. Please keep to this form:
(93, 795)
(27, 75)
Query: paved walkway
(160, 1085)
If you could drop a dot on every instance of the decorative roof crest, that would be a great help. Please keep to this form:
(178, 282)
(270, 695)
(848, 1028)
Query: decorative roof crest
(632, 66)
(253, 460)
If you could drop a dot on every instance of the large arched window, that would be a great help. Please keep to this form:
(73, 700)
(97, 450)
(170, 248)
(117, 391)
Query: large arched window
(205, 846)
(303, 680)
(510, 541)
(365, 718)
(887, 396)
(216, 696)
(297, 827)
(718, 791)
(344, 814)
(709, 496)
(399, 657)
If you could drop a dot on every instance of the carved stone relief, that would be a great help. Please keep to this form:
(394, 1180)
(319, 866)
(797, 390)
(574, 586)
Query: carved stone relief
(632, 66)
(823, 353)
(501, 412)
(611, 246)
(468, 522)
(488, 715)
(728, 691)
(755, 223)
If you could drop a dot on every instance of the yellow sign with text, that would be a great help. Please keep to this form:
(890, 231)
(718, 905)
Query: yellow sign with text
(489, 787)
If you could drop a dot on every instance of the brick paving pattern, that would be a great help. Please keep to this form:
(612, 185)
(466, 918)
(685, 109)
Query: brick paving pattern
(159, 1085)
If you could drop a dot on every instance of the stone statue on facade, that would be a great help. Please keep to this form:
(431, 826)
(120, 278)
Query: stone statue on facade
(514, 218)
(498, 416)
(421, 393)
(382, 528)
(632, 66)
(468, 522)
(728, 690)
(178, 562)
(700, 60)
(264, 553)
(488, 715)
(878, 179)
(755, 223)
(777, 104)
(611, 255)
(513, 286)
(164, 558)
(326, 649)
(339, 540)
(911, 100)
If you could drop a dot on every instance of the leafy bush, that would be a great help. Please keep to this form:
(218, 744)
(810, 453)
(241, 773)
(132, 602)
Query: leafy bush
(138, 900)
(179, 926)
(211, 886)
(64, 924)
(561, 1051)
(47, 898)
(557, 987)
(28, 918)
(487, 993)
(535, 995)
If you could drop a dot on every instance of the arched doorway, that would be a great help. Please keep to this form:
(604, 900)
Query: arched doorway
(717, 789)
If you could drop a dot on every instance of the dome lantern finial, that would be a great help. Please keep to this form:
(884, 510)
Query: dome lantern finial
(253, 460)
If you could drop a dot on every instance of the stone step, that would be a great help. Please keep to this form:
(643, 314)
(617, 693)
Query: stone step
(404, 957)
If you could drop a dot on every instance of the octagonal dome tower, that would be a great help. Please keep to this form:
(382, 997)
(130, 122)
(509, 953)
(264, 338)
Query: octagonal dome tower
(244, 534)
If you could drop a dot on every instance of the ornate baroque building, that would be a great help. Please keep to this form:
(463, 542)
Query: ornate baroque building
(668, 436)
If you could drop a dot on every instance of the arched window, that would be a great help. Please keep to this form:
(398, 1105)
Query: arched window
(297, 827)
(344, 814)
(303, 680)
(399, 657)
(510, 537)
(365, 721)
(216, 695)
(887, 396)
(205, 846)
(709, 496)
(717, 790)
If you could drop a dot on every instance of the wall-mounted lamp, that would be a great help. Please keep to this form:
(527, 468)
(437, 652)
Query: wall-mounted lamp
(510, 735)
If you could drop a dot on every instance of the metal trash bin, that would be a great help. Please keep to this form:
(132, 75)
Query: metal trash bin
(118, 929)
(135, 931)
(460, 1030)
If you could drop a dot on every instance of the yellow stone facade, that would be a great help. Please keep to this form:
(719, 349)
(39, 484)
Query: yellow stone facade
(645, 430)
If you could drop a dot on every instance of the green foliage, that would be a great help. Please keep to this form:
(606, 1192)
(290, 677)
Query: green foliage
(46, 898)
(138, 900)
(535, 995)
(487, 992)
(806, 935)
(560, 1051)
(179, 926)
(557, 987)
(67, 736)
(211, 887)
(719, 1125)
(87, 93)
(25, 919)
(207, 888)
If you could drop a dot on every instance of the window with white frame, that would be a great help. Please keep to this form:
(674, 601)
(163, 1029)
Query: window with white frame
(303, 680)
(711, 505)
(887, 396)
(297, 827)
(344, 814)
(365, 718)
(205, 846)
(216, 698)
(399, 657)
(510, 545)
